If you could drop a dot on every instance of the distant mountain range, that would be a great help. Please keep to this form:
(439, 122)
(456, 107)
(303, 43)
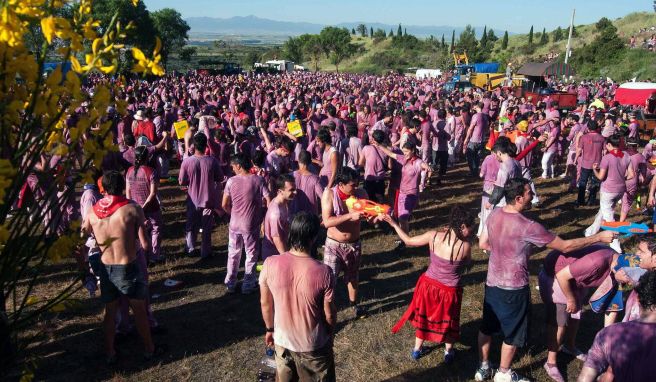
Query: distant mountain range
(256, 26)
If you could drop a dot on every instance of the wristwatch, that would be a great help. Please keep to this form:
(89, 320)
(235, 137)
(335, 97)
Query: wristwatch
(269, 330)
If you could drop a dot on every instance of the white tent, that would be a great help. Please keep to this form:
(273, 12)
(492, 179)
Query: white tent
(428, 73)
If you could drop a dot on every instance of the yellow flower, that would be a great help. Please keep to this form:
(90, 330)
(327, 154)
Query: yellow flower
(135, 2)
(48, 28)
(145, 65)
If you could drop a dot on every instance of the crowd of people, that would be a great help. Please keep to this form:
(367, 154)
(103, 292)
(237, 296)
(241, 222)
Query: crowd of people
(278, 158)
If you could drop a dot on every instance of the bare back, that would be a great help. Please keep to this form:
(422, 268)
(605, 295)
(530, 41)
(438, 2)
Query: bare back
(117, 234)
(445, 248)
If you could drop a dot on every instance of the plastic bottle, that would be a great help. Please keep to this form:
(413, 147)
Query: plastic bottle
(267, 369)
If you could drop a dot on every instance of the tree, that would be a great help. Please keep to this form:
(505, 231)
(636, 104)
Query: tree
(336, 44)
(557, 34)
(453, 40)
(293, 49)
(187, 53)
(353, 31)
(544, 39)
(443, 44)
(251, 58)
(405, 31)
(504, 41)
(371, 32)
(313, 46)
(530, 36)
(606, 49)
(484, 38)
(362, 29)
(391, 33)
(491, 36)
(467, 41)
(171, 28)
(143, 33)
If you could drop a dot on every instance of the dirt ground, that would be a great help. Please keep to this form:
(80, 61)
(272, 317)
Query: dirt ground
(213, 336)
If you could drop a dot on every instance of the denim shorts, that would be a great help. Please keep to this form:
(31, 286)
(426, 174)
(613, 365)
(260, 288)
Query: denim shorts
(122, 280)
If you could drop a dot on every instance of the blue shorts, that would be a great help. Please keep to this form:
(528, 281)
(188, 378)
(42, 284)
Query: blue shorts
(507, 311)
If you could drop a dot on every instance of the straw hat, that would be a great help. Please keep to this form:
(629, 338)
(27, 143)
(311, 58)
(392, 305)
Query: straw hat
(140, 115)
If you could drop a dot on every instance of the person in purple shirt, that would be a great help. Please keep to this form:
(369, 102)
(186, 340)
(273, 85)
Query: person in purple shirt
(243, 199)
(589, 152)
(509, 237)
(375, 164)
(613, 172)
(200, 173)
(625, 352)
(473, 139)
(550, 148)
(278, 160)
(329, 162)
(440, 144)
(308, 187)
(639, 166)
(278, 216)
(351, 147)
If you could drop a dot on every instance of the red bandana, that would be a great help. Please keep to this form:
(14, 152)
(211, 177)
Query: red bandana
(617, 153)
(108, 205)
(342, 196)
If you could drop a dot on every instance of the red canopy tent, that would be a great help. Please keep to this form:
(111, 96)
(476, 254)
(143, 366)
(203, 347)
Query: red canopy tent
(634, 93)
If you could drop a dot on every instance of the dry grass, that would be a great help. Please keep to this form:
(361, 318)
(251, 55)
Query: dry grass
(218, 337)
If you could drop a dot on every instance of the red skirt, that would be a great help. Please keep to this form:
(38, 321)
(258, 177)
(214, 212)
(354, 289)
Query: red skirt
(434, 311)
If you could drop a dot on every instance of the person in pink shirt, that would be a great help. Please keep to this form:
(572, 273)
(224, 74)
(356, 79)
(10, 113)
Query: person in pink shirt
(141, 183)
(639, 166)
(308, 187)
(472, 144)
(277, 218)
(588, 153)
(408, 194)
(375, 164)
(297, 303)
(613, 172)
(509, 237)
(489, 170)
(351, 147)
(243, 198)
(329, 162)
(200, 173)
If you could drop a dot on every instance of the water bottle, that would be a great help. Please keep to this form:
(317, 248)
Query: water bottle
(267, 370)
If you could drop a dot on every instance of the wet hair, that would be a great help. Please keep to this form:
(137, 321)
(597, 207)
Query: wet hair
(324, 136)
(441, 114)
(303, 231)
(410, 146)
(379, 136)
(346, 175)
(129, 140)
(241, 160)
(259, 158)
(140, 159)
(513, 188)
(646, 290)
(505, 146)
(304, 158)
(414, 124)
(331, 110)
(113, 183)
(286, 143)
(458, 217)
(351, 130)
(282, 179)
(331, 125)
(614, 140)
(200, 142)
(593, 125)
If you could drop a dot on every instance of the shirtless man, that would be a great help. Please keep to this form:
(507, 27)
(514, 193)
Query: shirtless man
(343, 247)
(117, 224)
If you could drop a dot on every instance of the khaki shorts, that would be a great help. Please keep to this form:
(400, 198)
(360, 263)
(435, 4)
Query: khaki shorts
(317, 365)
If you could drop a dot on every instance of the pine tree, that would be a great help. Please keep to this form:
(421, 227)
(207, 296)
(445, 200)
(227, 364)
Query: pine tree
(399, 32)
(443, 43)
(453, 40)
(405, 32)
(543, 37)
(353, 31)
(371, 32)
(391, 34)
(504, 42)
(484, 38)
(530, 36)
(557, 34)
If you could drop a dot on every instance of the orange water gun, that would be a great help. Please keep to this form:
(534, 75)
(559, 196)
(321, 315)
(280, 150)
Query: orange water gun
(626, 228)
(366, 207)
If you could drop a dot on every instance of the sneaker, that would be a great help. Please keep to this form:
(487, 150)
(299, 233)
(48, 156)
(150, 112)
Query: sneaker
(553, 372)
(400, 245)
(483, 374)
(576, 353)
(510, 376)
(359, 312)
(416, 354)
(449, 356)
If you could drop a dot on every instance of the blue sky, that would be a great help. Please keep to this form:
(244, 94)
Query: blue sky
(513, 15)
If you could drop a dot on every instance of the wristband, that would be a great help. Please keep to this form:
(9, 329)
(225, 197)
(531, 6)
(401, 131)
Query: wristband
(269, 330)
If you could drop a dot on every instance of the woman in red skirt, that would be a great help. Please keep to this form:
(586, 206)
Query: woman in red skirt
(435, 307)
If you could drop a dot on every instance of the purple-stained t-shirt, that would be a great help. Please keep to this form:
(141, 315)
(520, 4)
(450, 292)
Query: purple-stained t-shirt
(327, 169)
(440, 137)
(246, 193)
(507, 170)
(425, 129)
(511, 236)
(140, 182)
(479, 120)
(409, 174)
(639, 166)
(276, 224)
(308, 193)
(554, 133)
(276, 164)
(299, 286)
(489, 170)
(351, 149)
(629, 348)
(616, 168)
(592, 145)
(374, 166)
(589, 266)
(200, 174)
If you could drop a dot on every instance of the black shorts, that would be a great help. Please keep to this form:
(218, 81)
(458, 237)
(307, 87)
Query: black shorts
(507, 311)
(375, 188)
(122, 280)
